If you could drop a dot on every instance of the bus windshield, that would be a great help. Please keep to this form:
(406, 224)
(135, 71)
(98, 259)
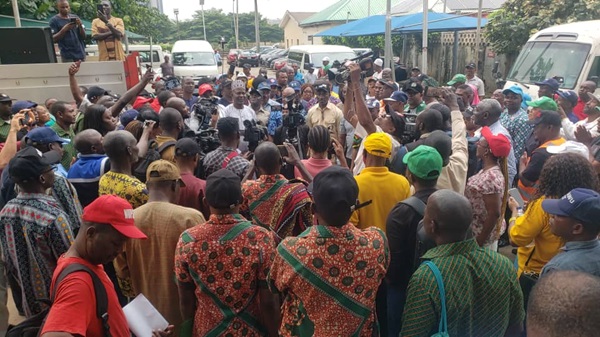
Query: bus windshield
(194, 59)
(539, 60)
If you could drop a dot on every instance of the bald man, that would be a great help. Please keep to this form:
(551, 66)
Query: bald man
(91, 164)
(485, 299)
(585, 88)
(271, 200)
(179, 105)
(564, 304)
(171, 124)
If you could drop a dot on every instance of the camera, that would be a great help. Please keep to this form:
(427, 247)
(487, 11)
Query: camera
(410, 128)
(204, 108)
(254, 134)
(208, 141)
(340, 72)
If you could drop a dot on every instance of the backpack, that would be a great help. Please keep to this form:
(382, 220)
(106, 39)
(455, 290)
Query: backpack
(154, 153)
(423, 243)
(32, 326)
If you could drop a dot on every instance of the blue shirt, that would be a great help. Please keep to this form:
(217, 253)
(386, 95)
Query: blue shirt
(583, 256)
(71, 45)
(190, 102)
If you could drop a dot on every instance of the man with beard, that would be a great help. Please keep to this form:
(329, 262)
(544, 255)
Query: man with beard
(584, 88)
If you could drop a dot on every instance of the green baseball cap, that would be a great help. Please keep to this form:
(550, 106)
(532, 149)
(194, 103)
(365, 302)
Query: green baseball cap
(458, 78)
(424, 162)
(544, 103)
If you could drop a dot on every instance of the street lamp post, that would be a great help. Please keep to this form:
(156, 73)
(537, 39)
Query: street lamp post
(176, 12)
(203, 23)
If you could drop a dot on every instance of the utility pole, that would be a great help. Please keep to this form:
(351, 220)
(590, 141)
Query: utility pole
(478, 35)
(425, 33)
(237, 24)
(203, 23)
(389, 54)
(176, 12)
(257, 24)
(16, 13)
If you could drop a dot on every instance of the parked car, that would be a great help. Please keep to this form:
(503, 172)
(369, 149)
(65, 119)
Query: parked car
(263, 56)
(280, 63)
(268, 61)
(233, 55)
(247, 56)
(263, 49)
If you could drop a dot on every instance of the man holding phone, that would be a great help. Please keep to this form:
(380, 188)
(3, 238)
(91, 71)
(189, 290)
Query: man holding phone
(68, 32)
(108, 31)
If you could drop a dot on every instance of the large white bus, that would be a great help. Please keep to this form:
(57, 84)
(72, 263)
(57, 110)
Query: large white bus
(569, 53)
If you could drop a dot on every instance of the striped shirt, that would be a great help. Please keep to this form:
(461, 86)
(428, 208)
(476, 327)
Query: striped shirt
(483, 297)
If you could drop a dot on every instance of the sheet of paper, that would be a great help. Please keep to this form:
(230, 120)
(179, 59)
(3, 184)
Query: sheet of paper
(143, 317)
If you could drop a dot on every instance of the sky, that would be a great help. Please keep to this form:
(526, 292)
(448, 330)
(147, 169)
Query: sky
(271, 9)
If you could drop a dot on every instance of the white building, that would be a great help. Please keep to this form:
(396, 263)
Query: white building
(158, 4)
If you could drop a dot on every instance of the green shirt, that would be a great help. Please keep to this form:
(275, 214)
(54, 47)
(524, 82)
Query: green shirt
(69, 151)
(4, 130)
(416, 110)
(483, 297)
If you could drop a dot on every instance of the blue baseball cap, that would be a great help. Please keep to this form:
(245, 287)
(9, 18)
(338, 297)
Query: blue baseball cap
(295, 85)
(581, 204)
(272, 82)
(20, 105)
(569, 95)
(398, 96)
(43, 135)
(264, 86)
(515, 89)
(552, 83)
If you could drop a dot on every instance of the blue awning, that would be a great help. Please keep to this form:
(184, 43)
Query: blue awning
(412, 23)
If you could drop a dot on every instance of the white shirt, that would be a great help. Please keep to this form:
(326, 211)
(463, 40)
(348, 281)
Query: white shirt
(476, 81)
(244, 114)
(568, 128)
(310, 78)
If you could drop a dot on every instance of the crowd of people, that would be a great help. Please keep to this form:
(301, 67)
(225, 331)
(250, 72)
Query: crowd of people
(299, 206)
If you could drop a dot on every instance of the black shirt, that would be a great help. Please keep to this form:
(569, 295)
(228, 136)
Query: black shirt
(401, 231)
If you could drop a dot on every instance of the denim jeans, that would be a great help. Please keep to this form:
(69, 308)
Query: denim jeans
(396, 299)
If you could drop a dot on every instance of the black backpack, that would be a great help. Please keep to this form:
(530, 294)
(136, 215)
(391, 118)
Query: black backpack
(423, 242)
(32, 326)
(153, 154)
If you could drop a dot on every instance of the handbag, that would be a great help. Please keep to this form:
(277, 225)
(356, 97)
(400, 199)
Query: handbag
(527, 280)
(443, 327)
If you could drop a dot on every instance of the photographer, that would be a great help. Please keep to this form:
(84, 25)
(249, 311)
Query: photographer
(205, 111)
(392, 124)
(68, 32)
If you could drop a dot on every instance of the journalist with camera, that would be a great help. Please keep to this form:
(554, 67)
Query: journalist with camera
(205, 111)
(226, 156)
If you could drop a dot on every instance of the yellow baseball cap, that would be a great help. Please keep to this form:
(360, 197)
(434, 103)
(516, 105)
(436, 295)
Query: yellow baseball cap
(379, 144)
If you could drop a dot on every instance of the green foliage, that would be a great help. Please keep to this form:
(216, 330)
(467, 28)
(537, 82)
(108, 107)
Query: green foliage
(219, 24)
(137, 16)
(509, 28)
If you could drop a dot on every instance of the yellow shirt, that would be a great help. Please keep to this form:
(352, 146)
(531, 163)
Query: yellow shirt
(124, 186)
(169, 152)
(385, 189)
(530, 230)
(109, 49)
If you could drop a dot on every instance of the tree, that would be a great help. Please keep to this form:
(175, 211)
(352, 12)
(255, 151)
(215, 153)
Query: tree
(220, 24)
(137, 15)
(509, 28)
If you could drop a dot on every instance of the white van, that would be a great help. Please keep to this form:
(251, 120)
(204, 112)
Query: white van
(194, 58)
(570, 53)
(143, 49)
(303, 54)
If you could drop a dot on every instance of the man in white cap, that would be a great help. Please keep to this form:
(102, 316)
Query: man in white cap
(325, 68)
(377, 69)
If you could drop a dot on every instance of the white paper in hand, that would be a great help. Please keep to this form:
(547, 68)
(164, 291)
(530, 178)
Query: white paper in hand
(143, 317)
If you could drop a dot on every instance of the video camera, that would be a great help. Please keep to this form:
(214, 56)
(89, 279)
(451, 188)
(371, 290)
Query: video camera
(204, 108)
(207, 139)
(254, 134)
(410, 128)
(341, 73)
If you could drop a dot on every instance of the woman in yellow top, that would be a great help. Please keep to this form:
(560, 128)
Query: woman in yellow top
(531, 231)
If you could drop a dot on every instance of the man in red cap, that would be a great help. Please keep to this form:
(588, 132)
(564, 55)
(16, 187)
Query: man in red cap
(107, 225)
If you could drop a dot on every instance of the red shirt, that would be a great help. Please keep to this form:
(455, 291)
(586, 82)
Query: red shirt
(578, 109)
(313, 166)
(192, 194)
(74, 308)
